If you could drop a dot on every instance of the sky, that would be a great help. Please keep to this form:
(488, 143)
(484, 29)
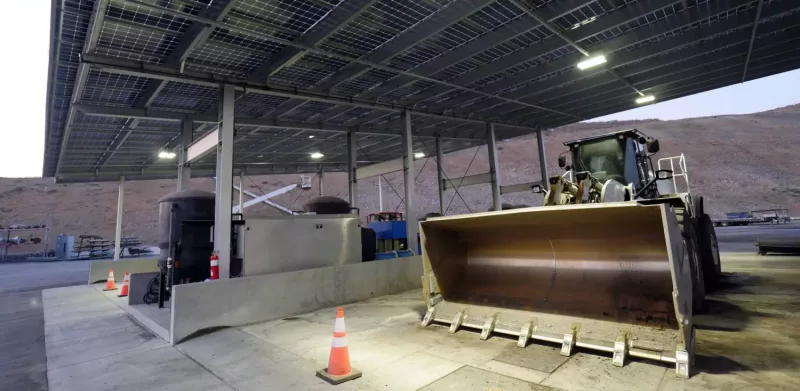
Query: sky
(24, 89)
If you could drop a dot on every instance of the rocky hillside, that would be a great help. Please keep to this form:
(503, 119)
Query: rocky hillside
(742, 162)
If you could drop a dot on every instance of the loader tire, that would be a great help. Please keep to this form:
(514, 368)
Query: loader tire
(708, 248)
(698, 282)
(689, 230)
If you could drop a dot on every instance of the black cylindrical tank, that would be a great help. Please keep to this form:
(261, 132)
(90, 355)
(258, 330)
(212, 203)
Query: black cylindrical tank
(179, 207)
(327, 205)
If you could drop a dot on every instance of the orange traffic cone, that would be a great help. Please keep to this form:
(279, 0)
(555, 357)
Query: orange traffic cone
(110, 282)
(123, 292)
(339, 370)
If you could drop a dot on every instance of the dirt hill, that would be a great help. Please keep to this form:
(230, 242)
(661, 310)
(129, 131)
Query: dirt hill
(742, 162)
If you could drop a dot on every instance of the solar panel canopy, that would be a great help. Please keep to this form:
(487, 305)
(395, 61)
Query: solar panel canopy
(126, 77)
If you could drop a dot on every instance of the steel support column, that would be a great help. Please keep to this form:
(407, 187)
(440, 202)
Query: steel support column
(184, 169)
(224, 199)
(380, 194)
(412, 226)
(542, 159)
(440, 173)
(321, 183)
(118, 232)
(494, 167)
(241, 191)
(352, 179)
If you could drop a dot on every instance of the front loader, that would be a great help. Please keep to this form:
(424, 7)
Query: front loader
(616, 260)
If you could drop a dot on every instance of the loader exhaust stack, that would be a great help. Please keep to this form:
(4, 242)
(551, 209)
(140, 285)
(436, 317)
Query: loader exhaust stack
(613, 277)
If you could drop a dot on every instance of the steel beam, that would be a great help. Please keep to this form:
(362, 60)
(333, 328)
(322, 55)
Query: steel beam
(695, 80)
(352, 174)
(752, 39)
(653, 81)
(723, 56)
(542, 159)
(243, 205)
(440, 20)
(494, 167)
(224, 198)
(550, 11)
(704, 54)
(469, 180)
(607, 22)
(364, 63)
(93, 34)
(126, 112)
(115, 144)
(337, 18)
(203, 170)
(194, 36)
(440, 173)
(631, 38)
(412, 225)
(139, 69)
(518, 188)
(265, 201)
(544, 23)
(203, 146)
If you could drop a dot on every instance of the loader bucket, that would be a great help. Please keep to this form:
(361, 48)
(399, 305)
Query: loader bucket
(612, 277)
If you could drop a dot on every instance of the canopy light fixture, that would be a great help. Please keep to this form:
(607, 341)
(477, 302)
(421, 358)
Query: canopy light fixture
(592, 62)
(645, 99)
(317, 155)
(166, 155)
(419, 155)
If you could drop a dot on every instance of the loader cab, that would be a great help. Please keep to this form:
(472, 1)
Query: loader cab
(621, 156)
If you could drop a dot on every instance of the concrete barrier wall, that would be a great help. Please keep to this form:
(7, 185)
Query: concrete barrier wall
(98, 270)
(247, 300)
(138, 286)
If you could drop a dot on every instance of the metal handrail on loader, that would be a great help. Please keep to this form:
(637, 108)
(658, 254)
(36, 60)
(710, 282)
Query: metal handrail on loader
(517, 273)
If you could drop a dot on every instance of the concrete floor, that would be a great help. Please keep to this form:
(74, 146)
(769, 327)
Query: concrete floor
(748, 340)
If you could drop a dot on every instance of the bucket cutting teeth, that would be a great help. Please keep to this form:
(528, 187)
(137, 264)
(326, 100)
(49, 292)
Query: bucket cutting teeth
(592, 276)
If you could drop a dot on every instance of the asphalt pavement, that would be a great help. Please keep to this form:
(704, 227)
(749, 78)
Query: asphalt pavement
(744, 238)
(23, 363)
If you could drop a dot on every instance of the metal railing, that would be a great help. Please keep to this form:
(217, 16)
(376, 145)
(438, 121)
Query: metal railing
(670, 162)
